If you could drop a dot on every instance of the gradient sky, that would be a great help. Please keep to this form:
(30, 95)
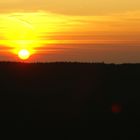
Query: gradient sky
(71, 30)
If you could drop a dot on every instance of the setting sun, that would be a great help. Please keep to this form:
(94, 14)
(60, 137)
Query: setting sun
(24, 54)
(99, 30)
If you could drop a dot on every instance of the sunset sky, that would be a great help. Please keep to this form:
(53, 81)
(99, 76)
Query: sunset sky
(71, 30)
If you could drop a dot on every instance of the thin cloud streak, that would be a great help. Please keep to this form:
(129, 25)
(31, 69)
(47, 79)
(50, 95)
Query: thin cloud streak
(62, 34)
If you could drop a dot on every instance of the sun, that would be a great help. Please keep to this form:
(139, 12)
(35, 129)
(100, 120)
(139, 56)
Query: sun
(24, 54)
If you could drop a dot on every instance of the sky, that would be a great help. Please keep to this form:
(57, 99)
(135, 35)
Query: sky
(71, 30)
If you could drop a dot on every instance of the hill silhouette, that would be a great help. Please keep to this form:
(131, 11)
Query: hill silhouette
(68, 94)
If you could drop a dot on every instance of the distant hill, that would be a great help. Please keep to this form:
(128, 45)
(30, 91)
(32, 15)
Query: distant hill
(68, 94)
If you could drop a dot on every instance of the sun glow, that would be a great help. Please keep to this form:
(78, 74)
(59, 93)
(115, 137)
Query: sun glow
(24, 54)
(31, 31)
(19, 35)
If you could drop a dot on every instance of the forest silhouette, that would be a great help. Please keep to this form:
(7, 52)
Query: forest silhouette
(68, 94)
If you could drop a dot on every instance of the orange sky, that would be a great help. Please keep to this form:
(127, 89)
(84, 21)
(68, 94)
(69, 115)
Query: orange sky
(52, 30)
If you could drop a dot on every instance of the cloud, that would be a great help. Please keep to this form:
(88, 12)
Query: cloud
(70, 7)
(68, 28)
(110, 36)
(49, 28)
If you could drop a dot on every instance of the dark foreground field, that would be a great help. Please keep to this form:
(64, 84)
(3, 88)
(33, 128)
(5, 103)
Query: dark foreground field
(68, 94)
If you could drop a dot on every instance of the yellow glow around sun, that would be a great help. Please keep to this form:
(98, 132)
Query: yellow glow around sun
(24, 54)
(31, 31)
(19, 34)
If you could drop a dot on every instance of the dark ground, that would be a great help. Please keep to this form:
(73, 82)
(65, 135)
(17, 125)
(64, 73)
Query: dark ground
(68, 94)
